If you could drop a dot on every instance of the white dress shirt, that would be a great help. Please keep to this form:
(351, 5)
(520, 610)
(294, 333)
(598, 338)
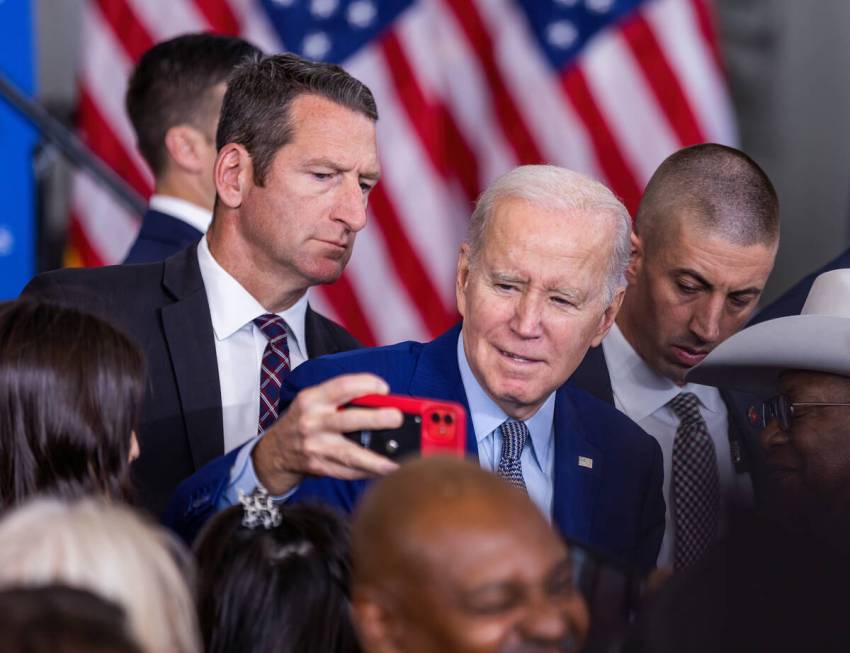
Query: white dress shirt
(537, 458)
(643, 394)
(239, 346)
(192, 214)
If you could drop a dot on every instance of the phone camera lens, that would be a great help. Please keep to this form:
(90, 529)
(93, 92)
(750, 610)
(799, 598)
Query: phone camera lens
(448, 419)
(435, 417)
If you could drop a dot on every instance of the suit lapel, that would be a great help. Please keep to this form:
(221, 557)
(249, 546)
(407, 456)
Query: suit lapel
(437, 375)
(187, 327)
(579, 465)
(320, 341)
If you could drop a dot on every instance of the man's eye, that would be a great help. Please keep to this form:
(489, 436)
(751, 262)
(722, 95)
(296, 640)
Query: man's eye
(687, 288)
(505, 286)
(323, 175)
(561, 301)
(492, 604)
(366, 187)
(740, 302)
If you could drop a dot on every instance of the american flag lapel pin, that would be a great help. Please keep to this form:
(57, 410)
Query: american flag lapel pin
(584, 461)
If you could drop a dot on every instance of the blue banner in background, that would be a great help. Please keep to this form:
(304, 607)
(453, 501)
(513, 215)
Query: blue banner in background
(17, 142)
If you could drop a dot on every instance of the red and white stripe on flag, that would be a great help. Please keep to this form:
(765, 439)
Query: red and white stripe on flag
(466, 89)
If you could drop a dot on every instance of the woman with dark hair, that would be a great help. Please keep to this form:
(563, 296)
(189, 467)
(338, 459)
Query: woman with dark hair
(71, 390)
(275, 580)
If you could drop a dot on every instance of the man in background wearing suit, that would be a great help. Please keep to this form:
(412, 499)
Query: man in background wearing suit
(707, 231)
(539, 280)
(223, 321)
(173, 101)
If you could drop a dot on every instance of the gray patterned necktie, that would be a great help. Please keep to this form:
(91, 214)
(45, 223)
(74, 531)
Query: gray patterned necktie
(514, 437)
(695, 484)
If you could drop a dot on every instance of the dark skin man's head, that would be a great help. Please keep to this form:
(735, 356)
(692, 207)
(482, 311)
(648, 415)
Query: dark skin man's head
(449, 558)
(808, 465)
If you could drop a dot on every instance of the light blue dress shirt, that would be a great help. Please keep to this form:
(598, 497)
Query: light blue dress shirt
(537, 459)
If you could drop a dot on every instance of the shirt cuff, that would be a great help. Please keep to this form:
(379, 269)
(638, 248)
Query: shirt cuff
(243, 478)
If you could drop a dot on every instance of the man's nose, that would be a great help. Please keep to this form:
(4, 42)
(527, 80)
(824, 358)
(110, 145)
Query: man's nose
(528, 316)
(706, 319)
(772, 435)
(546, 624)
(350, 207)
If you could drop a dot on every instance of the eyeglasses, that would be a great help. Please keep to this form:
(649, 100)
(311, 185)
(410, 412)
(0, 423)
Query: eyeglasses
(782, 408)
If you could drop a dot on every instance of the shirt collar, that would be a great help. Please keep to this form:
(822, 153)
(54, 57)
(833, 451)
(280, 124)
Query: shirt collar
(232, 307)
(192, 214)
(487, 416)
(641, 390)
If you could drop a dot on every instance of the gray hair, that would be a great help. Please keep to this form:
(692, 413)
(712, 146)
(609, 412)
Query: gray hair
(558, 189)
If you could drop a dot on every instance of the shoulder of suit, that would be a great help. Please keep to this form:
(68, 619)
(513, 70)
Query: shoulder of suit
(603, 418)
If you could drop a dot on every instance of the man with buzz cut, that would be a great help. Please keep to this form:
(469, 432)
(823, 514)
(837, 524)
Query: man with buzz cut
(706, 235)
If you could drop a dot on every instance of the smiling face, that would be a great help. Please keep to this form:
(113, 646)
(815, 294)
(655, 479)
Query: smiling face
(808, 468)
(687, 294)
(532, 300)
(301, 223)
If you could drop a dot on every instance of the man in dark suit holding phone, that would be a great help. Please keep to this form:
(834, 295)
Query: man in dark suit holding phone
(221, 322)
(539, 280)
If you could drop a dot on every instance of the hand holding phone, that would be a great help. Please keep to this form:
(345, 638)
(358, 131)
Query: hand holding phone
(430, 427)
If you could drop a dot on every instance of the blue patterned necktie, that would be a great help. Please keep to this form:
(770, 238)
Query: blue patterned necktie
(274, 368)
(514, 437)
(694, 483)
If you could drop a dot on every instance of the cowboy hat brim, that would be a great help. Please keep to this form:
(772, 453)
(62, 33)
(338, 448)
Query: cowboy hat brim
(752, 359)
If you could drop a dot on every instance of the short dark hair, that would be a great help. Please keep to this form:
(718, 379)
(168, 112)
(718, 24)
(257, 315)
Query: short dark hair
(59, 619)
(720, 189)
(173, 84)
(71, 390)
(279, 590)
(256, 111)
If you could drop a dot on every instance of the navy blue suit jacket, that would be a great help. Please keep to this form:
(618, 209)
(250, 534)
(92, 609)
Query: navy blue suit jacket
(791, 303)
(161, 236)
(616, 507)
(593, 376)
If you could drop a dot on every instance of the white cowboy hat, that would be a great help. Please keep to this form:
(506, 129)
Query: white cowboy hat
(817, 340)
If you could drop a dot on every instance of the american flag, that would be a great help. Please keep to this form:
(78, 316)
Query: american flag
(466, 90)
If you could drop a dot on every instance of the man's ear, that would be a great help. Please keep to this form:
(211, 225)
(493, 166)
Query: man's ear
(375, 626)
(462, 278)
(608, 317)
(184, 144)
(636, 259)
(233, 174)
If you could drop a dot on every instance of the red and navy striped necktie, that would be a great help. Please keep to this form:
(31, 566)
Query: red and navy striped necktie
(274, 368)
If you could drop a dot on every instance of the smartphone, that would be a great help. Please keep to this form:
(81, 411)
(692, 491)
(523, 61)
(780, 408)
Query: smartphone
(430, 427)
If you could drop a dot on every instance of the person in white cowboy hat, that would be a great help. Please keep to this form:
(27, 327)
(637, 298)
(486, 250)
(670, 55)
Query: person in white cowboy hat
(802, 363)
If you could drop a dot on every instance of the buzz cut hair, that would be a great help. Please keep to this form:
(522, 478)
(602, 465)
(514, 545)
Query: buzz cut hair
(711, 189)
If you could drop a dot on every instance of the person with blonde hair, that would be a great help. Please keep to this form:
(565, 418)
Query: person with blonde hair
(110, 551)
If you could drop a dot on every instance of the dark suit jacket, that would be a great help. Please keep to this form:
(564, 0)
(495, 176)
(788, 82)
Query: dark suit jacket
(593, 376)
(163, 307)
(161, 236)
(615, 507)
(791, 303)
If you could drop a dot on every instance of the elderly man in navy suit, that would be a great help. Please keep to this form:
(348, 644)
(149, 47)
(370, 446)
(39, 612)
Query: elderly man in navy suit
(539, 280)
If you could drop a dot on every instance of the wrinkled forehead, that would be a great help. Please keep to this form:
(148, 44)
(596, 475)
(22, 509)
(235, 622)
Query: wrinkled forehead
(808, 385)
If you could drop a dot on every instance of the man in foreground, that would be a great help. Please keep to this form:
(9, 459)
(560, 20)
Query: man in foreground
(222, 322)
(448, 557)
(539, 280)
(706, 236)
